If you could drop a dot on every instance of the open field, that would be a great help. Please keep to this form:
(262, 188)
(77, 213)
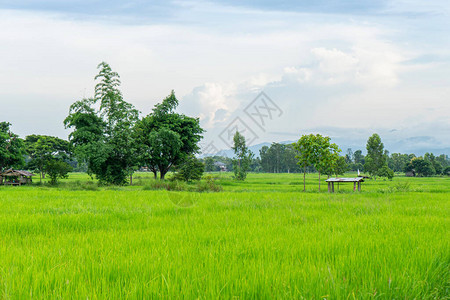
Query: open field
(262, 238)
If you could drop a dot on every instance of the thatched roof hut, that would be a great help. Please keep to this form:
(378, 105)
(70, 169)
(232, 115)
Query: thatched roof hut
(15, 177)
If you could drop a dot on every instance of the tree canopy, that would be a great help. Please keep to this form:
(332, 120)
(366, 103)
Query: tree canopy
(12, 148)
(375, 158)
(167, 138)
(103, 128)
(318, 151)
(242, 157)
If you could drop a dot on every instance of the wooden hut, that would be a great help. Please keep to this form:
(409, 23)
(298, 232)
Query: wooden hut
(355, 181)
(15, 177)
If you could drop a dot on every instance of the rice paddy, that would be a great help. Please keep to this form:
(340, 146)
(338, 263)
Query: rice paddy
(259, 239)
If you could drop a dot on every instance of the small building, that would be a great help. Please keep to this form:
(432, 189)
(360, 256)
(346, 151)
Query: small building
(355, 181)
(221, 166)
(410, 174)
(16, 177)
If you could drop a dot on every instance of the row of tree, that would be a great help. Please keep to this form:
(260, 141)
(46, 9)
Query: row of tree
(41, 153)
(109, 139)
(113, 141)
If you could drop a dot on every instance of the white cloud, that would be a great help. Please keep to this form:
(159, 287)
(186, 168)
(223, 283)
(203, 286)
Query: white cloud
(322, 70)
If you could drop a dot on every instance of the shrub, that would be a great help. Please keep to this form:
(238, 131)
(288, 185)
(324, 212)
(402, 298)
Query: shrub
(385, 171)
(191, 170)
(208, 185)
(57, 169)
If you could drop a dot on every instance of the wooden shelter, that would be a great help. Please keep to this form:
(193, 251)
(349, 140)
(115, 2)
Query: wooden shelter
(355, 181)
(15, 177)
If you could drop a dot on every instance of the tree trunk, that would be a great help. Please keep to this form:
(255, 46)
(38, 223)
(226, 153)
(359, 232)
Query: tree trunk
(304, 179)
(155, 174)
(319, 181)
(131, 179)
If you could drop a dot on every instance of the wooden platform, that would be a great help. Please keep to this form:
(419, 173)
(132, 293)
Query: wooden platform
(356, 180)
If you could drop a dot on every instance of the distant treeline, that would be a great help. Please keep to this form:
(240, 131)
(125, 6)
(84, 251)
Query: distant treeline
(281, 158)
(110, 140)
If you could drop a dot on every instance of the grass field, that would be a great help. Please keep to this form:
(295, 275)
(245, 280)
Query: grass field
(262, 238)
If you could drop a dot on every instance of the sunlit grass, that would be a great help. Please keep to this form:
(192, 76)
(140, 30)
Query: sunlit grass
(262, 238)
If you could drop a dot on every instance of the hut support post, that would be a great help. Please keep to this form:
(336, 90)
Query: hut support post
(332, 187)
(354, 186)
(329, 187)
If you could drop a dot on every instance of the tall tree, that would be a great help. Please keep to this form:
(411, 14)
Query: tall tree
(164, 122)
(289, 160)
(12, 149)
(103, 128)
(242, 156)
(349, 156)
(375, 158)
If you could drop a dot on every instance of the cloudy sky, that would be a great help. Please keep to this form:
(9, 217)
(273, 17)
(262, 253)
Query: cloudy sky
(345, 69)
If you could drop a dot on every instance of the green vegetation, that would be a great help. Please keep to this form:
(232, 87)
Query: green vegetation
(259, 238)
(242, 157)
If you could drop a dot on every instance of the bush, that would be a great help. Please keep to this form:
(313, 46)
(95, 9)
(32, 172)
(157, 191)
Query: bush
(191, 170)
(57, 169)
(385, 171)
(208, 185)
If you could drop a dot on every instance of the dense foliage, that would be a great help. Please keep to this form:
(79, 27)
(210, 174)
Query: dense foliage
(166, 138)
(318, 151)
(44, 150)
(103, 130)
(279, 158)
(242, 157)
(12, 149)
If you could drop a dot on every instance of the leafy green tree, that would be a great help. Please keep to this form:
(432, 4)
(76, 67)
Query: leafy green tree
(289, 160)
(265, 159)
(12, 149)
(340, 166)
(326, 155)
(255, 165)
(191, 169)
(318, 151)
(164, 150)
(305, 147)
(420, 167)
(398, 161)
(375, 158)
(278, 158)
(349, 156)
(209, 164)
(385, 171)
(243, 157)
(436, 164)
(103, 136)
(443, 160)
(57, 169)
(446, 171)
(42, 149)
(162, 123)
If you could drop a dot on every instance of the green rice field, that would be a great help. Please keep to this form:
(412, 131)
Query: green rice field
(259, 239)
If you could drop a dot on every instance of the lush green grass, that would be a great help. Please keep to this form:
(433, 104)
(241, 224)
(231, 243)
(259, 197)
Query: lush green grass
(263, 238)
